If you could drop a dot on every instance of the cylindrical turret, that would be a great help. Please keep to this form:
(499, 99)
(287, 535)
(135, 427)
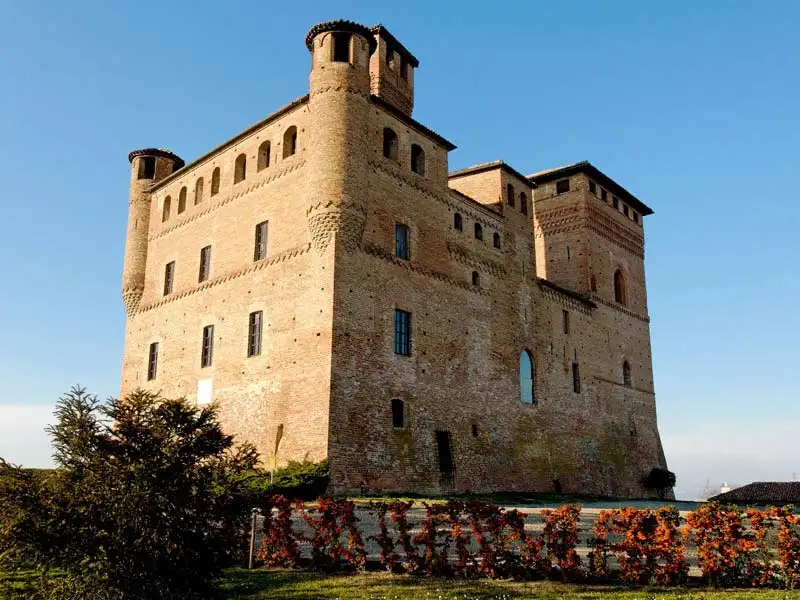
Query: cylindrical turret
(148, 166)
(339, 112)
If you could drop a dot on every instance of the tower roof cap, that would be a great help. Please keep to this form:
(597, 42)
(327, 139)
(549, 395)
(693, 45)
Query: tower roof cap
(341, 25)
(162, 152)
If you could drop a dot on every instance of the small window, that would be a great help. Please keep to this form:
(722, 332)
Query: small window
(388, 58)
(205, 264)
(417, 159)
(576, 378)
(182, 200)
(207, 352)
(510, 194)
(403, 67)
(615, 202)
(260, 251)
(562, 187)
(620, 288)
(476, 278)
(165, 210)
(458, 222)
(592, 187)
(290, 142)
(523, 203)
(569, 255)
(565, 315)
(402, 332)
(341, 47)
(263, 156)
(169, 276)
(474, 430)
(478, 231)
(444, 449)
(496, 239)
(604, 195)
(254, 333)
(398, 416)
(215, 182)
(240, 168)
(152, 362)
(401, 241)
(198, 191)
(626, 211)
(389, 143)
(626, 374)
(635, 217)
(147, 168)
(526, 371)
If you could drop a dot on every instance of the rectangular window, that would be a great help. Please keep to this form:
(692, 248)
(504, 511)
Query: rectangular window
(398, 418)
(592, 187)
(604, 195)
(254, 333)
(205, 264)
(576, 378)
(341, 46)
(403, 67)
(562, 187)
(566, 321)
(152, 362)
(615, 202)
(444, 449)
(401, 241)
(635, 217)
(169, 276)
(402, 332)
(626, 210)
(261, 241)
(207, 353)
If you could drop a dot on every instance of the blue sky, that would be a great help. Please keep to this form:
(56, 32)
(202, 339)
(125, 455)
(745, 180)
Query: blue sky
(690, 105)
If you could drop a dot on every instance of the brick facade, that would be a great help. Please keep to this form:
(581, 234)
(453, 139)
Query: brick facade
(330, 284)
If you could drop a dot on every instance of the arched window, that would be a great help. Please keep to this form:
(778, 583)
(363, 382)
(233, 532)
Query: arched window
(626, 374)
(496, 240)
(620, 293)
(478, 231)
(510, 194)
(263, 156)
(523, 203)
(526, 391)
(215, 182)
(476, 278)
(198, 191)
(389, 143)
(417, 159)
(290, 142)
(165, 209)
(240, 168)
(458, 222)
(182, 200)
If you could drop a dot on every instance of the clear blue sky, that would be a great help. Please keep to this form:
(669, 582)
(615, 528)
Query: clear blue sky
(690, 105)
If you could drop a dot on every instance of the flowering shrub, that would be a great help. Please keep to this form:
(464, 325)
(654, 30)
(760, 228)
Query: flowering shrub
(334, 519)
(279, 544)
(788, 545)
(561, 537)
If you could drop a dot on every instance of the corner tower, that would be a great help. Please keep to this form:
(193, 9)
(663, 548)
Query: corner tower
(148, 166)
(339, 112)
(392, 71)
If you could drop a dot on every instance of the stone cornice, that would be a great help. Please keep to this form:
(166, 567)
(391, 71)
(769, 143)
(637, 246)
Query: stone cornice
(565, 299)
(622, 309)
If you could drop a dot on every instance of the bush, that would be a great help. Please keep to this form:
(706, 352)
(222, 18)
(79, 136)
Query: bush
(660, 480)
(296, 481)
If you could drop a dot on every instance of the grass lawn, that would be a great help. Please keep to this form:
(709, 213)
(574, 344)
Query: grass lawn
(285, 585)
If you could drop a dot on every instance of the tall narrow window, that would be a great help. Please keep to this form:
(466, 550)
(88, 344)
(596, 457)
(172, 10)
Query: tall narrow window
(593, 283)
(496, 239)
(254, 333)
(592, 187)
(389, 143)
(635, 217)
(565, 317)
(626, 374)
(417, 159)
(166, 208)
(398, 418)
(261, 241)
(458, 222)
(263, 155)
(169, 277)
(152, 362)
(198, 191)
(615, 202)
(205, 264)
(510, 194)
(604, 195)
(526, 392)
(341, 46)
(476, 279)
(388, 58)
(182, 200)
(207, 352)
(290, 142)
(401, 241)
(403, 67)
(523, 203)
(402, 332)
(576, 378)
(478, 231)
(444, 449)
(562, 187)
(625, 210)
(240, 168)
(620, 291)
(147, 167)
(215, 182)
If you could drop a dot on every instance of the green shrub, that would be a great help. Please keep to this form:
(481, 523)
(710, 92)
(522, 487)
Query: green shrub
(304, 480)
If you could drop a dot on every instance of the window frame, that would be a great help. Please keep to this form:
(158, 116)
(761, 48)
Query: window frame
(169, 278)
(565, 320)
(562, 186)
(204, 272)
(576, 377)
(402, 332)
(402, 239)
(152, 361)
(526, 383)
(255, 328)
(260, 241)
(207, 347)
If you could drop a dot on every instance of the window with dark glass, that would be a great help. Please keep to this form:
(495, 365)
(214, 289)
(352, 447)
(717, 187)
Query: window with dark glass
(562, 187)
(260, 251)
(169, 276)
(341, 46)
(402, 332)
(205, 264)
(510, 194)
(401, 241)
(576, 378)
(496, 239)
(152, 362)
(458, 222)
(478, 231)
(254, 333)
(147, 167)
(207, 352)
(398, 416)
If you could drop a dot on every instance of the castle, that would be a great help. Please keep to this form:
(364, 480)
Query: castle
(338, 293)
